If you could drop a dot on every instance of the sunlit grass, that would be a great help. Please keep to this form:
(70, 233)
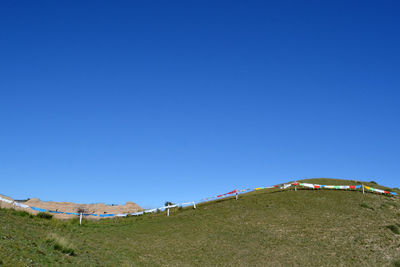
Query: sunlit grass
(266, 227)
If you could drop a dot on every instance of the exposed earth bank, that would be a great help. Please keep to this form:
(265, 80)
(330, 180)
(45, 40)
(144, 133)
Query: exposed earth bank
(98, 208)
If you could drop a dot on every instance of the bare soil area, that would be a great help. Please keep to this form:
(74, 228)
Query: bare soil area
(98, 208)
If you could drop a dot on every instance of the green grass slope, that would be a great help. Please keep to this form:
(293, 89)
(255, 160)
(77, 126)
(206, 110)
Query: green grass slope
(267, 227)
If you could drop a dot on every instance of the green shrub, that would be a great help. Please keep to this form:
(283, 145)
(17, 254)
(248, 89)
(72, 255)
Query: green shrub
(384, 205)
(44, 215)
(393, 228)
(373, 182)
(21, 213)
(365, 205)
(396, 263)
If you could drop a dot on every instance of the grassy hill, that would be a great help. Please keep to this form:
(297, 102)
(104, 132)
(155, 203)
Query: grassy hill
(266, 227)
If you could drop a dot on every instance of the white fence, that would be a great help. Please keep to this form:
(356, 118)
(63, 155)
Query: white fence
(235, 193)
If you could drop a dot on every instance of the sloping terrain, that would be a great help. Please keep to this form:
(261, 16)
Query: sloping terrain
(97, 208)
(266, 227)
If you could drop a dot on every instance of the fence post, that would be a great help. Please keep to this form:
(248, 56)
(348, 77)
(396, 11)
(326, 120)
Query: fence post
(167, 211)
(363, 189)
(80, 219)
(194, 205)
(295, 188)
(236, 194)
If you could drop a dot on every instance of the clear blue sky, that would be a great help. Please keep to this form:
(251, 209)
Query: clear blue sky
(148, 101)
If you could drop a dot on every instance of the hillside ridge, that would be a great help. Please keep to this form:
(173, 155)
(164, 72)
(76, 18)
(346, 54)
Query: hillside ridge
(310, 227)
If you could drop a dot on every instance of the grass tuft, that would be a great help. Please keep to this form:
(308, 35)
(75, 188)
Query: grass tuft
(44, 215)
(61, 244)
(384, 205)
(22, 213)
(365, 205)
(396, 263)
(394, 229)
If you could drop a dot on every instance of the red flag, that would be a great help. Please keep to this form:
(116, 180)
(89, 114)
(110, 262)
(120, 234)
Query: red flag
(232, 192)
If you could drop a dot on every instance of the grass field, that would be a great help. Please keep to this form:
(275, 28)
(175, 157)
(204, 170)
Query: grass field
(267, 227)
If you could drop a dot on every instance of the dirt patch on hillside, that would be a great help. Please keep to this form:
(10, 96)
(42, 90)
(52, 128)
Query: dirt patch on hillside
(98, 208)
